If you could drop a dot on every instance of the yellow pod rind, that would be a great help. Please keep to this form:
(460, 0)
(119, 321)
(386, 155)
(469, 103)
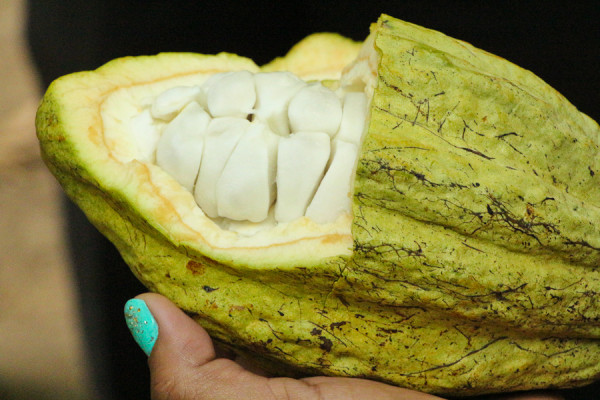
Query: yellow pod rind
(472, 266)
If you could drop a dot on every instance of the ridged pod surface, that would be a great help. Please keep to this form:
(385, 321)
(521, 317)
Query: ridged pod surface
(472, 265)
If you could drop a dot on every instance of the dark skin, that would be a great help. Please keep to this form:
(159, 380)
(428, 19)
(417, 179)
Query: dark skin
(184, 365)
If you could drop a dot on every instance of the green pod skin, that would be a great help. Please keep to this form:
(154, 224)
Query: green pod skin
(476, 240)
(489, 174)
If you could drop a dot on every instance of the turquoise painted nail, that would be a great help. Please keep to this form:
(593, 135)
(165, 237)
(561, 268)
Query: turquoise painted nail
(142, 324)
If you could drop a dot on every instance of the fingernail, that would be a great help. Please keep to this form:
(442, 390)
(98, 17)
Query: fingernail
(142, 324)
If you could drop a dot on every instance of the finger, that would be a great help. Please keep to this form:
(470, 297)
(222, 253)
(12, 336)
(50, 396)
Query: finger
(181, 347)
(181, 341)
(183, 361)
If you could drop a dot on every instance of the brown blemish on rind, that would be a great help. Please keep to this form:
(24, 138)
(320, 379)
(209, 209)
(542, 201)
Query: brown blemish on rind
(195, 267)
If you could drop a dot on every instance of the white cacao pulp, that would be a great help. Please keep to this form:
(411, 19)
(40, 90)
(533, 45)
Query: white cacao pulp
(263, 148)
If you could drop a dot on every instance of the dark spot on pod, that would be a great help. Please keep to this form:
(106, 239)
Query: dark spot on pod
(326, 344)
(334, 325)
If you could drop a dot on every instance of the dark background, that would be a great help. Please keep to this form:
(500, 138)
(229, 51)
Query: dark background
(559, 42)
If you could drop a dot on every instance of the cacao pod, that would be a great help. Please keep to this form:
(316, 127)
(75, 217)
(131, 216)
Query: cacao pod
(468, 263)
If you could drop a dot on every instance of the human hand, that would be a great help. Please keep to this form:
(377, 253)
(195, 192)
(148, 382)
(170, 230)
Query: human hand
(184, 365)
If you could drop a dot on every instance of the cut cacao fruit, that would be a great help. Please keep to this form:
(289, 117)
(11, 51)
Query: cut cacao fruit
(411, 209)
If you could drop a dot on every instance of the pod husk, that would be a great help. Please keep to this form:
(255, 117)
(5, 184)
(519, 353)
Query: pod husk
(472, 265)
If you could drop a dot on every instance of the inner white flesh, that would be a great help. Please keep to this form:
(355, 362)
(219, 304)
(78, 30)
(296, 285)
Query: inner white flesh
(256, 150)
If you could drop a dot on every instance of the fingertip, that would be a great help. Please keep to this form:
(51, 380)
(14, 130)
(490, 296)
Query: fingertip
(180, 338)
